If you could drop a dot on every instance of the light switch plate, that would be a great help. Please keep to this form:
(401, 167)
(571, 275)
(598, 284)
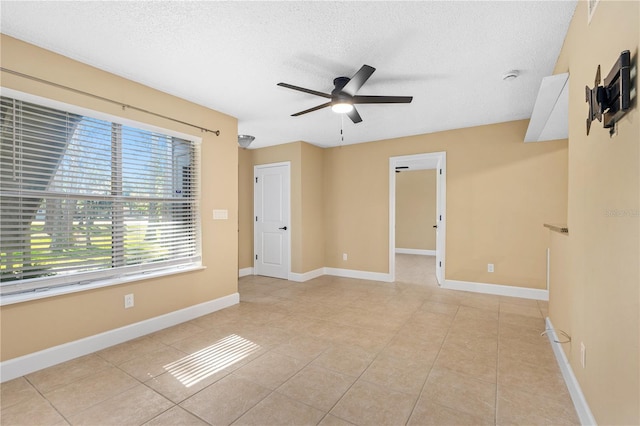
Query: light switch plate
(221, 214)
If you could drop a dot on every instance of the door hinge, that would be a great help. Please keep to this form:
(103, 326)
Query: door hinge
(438, 265)
(440, 171)
(256, 218)
(440, 217)
(256, 179)
(256, 257)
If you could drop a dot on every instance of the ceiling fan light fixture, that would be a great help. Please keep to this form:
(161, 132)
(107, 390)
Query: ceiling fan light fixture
(245, 140)
(342, 107)
(344, 95)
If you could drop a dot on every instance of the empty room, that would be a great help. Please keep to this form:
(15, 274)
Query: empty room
(317, 212)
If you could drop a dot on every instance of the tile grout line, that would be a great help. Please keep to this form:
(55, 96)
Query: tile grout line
(67, 419)
(367, 368)
(223, 377)
(47, 399)
(354, 382)
(495, 413)
(424, 384)
(377, 355)
(272, 391)
(328, 412)
(286, 396)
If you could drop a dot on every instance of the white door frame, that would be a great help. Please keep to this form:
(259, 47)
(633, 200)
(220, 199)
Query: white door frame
(424, 161)
(255, 213)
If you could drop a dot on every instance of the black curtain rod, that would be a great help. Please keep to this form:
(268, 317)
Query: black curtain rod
(124, 106)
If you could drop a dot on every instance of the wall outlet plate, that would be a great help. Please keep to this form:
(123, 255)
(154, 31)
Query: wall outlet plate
(490, 267)
(128, 301)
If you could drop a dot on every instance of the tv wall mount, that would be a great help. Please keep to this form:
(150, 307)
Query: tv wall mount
(612, 100)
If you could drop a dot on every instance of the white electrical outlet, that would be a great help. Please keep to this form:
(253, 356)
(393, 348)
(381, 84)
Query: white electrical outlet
(128, 301)
(583, 355)
(344, 256)
(489, 267)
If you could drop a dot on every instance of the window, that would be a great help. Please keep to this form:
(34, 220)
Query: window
(84, 199)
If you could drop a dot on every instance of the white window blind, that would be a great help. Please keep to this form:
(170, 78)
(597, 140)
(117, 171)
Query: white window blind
(84, 199)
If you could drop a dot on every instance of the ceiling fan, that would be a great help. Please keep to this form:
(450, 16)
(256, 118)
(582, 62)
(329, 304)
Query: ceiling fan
(343, 97)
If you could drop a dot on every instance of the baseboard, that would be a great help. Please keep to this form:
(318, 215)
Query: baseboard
(363, 275)
(306, 276)
(26, 364)
(500, 290)
(415, 251)
(579, 401)
(244, 272)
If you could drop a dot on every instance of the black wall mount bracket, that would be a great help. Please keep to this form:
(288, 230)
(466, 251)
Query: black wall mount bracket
(611, 101)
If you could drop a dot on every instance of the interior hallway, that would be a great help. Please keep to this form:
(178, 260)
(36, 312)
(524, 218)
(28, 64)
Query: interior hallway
(328, 351)
(416, 269)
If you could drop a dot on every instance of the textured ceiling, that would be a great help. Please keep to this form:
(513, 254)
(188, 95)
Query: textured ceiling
(450, 56)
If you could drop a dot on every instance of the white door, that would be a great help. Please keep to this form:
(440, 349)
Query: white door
(272, 226)
(440, 217)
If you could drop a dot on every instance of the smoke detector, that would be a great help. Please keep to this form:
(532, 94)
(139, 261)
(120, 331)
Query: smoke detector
(510, 75)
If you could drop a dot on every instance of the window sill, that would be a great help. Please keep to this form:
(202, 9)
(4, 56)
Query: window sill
(75, 288)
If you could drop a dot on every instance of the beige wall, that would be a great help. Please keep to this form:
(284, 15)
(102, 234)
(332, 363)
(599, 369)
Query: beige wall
(32, 326)
(596, 297)
(312, 198)
(416, 209)
(245, 208)
(499, 193)
(307, 230)
(559, 291)
(277, 154)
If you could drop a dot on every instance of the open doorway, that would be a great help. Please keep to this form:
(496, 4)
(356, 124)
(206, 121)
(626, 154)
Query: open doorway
(427, 266)
(416, 196)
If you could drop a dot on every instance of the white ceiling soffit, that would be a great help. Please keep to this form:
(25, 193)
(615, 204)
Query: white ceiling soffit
(550, 116)
(229, 56)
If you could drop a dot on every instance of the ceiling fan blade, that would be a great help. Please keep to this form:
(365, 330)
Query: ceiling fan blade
(358, 80)
(354, 116)
(382, 99)
(302, 89)
(311, 109)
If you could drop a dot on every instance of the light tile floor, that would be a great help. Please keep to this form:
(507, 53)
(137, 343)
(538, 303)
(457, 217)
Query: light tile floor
(331, 351)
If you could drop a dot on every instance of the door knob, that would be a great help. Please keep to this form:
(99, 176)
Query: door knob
(284, 228)
(435, 226)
